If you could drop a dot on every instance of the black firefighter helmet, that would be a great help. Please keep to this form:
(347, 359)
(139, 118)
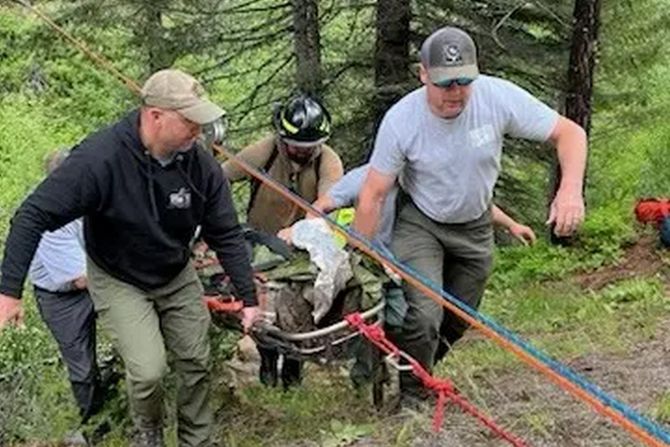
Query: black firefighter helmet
(302, 121)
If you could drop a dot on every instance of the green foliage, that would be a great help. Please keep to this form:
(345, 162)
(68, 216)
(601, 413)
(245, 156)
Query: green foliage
(344, 434)
(634, 295)
(605, 232)
(662, 408)
(35, 397)
(323, 409)
(27, 347)
(641, 28)
(223, 344)
(16, 66)
(517, 265)
(599, 244)
(26, 136)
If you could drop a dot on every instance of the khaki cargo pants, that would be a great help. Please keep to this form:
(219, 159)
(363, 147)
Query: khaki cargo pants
(144, 328)
(455, 257)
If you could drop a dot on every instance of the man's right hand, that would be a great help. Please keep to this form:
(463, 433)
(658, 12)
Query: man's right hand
(249, 316)
(11, 311)
(566, 212)
(286, 235)
(80, 283)
(523, 233)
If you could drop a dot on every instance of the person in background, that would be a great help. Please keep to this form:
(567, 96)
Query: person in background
(58, 275)
(297, 157)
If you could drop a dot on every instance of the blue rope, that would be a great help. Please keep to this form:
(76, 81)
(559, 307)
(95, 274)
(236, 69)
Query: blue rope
(633, 416)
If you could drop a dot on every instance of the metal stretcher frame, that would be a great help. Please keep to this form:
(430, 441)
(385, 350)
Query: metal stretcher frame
(289, 341)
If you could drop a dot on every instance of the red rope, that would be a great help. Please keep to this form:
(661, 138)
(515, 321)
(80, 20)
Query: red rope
(444, 388)
(652, 210)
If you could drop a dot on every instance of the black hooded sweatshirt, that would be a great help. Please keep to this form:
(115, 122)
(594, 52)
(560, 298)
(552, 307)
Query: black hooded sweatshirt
(139, 216)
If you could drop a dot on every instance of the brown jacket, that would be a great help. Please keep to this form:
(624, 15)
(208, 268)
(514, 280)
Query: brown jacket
(270, 211)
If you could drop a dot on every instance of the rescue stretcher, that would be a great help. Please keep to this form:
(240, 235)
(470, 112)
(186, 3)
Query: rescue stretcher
(335, 340)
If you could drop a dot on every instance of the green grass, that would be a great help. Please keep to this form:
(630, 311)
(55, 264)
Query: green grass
(541, 422)
(326, 410)
(662, 408)
(567, 322)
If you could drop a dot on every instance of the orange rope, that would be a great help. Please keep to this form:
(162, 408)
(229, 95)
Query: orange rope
(130, 83)
(616, 417)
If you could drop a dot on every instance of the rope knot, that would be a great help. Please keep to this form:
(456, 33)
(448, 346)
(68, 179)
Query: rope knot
(355, 319)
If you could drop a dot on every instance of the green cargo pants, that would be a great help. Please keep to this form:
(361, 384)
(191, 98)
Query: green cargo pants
(455, 257)
(143, 327)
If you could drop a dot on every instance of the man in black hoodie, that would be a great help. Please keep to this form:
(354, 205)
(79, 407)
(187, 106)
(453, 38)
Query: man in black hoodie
(143, 185)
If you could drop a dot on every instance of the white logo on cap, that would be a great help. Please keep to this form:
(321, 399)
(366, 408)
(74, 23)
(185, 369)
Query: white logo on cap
(452, 55)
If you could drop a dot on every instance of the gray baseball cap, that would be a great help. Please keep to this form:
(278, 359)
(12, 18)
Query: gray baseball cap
(175, 90)
(449, 53)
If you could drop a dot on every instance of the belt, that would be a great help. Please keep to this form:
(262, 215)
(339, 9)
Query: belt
(59, 292)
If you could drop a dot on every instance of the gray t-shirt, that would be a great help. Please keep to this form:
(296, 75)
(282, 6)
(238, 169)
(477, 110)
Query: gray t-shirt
(345, 193)
(450, 166)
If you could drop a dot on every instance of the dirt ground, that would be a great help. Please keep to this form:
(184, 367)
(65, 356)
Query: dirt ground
(544, 415)
(641, 259)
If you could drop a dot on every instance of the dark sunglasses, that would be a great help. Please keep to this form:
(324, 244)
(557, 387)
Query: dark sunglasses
(456, 81)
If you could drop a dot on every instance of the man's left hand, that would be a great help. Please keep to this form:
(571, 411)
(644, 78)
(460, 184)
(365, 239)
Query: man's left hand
(566, 212)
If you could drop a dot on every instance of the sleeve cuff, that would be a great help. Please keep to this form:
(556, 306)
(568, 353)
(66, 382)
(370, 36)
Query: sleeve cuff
(11, 290)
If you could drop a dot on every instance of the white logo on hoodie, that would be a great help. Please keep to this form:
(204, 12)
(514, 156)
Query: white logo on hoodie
(180, 199)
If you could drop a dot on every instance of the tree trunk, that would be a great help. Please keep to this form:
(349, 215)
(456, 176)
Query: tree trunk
(391, 59)
(152, 36)
(582, 62)
(307, 45)
(583, 51)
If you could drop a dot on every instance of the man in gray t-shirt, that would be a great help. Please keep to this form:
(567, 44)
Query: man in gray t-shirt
(446, 140)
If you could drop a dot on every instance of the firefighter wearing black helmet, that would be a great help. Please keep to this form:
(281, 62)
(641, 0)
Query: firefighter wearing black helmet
(295, 155)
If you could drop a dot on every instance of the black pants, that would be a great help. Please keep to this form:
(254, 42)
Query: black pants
(71, 319)
(291, 370)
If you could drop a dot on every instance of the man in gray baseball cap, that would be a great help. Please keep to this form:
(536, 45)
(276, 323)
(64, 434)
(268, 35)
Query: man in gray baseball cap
(450, 55)
(446, 138)
(143, 186)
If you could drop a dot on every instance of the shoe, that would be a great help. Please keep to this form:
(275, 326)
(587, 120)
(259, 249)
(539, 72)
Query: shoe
(152, 437)
(268, 372)
(96, 434)
(291, 373)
